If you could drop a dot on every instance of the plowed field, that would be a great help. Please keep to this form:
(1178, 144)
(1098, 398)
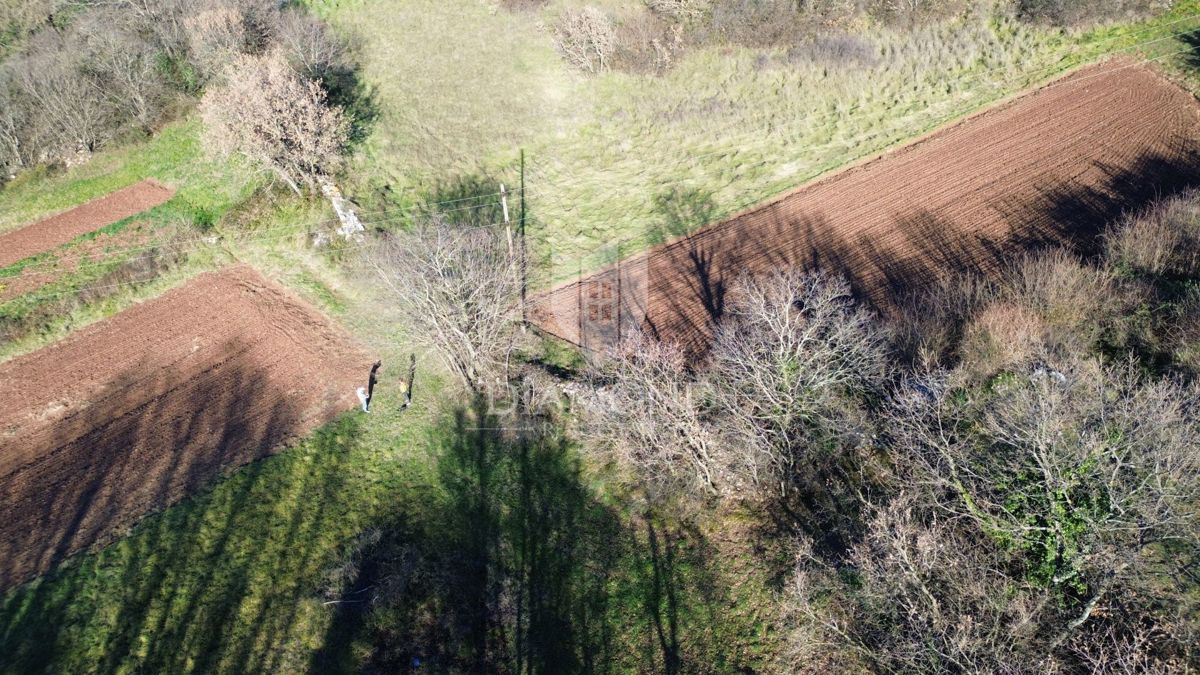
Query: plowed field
(67, 260)
(1048, 168)
(57, 230)
(130, 414)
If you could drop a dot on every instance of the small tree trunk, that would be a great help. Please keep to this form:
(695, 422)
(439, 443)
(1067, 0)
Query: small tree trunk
(288, 180)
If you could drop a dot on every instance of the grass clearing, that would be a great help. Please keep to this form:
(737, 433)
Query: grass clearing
(733, 124)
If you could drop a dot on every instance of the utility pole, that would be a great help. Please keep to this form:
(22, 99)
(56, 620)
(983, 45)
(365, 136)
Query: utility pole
(507, 225)
(620, 306)
(524, 251)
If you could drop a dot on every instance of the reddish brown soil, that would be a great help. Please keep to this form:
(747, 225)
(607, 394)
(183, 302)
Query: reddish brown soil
(1049, 168)
(64, 261)
(57, 230)
(130, 414)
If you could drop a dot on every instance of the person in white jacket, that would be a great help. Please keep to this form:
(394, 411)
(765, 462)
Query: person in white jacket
(365, 393)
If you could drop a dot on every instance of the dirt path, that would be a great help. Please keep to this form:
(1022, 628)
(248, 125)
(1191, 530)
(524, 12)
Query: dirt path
(57, 230)
(1049, 168)
(130, 414)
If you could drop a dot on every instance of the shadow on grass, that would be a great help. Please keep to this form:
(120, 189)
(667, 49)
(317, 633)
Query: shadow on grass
(213, 584)
(519, 566)
(473, 199)
(1191, 57)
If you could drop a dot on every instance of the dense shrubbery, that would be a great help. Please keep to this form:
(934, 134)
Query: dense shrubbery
(1074, 12)
(649, 40)
(83, 74)
(1007, 481)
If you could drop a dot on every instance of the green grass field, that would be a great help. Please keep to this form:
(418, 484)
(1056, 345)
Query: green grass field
(236, 579)
(731, 125)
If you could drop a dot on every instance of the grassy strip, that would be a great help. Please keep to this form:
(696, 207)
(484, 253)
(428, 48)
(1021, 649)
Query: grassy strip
(174, 156)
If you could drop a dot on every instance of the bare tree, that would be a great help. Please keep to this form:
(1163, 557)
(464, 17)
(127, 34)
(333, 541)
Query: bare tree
(649, 410)
(1072, 486)
(122, 67)
(459, 291)
(310, 47)
(1084, 469)
(586, 38)
(215, 37)
(790, 363)
(926, 598)
(75, 118)
(269, 115)
(12, 127)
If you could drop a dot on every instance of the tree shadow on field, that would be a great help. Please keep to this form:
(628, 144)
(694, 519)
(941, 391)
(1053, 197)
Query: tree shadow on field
(680, 211)
(343, 82)
(516, 565)
(690, 279)
(473, 199)
(175, 593)
(1191, 57)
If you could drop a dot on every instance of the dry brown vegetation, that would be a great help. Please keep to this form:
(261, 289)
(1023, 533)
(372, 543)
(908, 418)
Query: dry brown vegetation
(84, 75)
(265, 112)
(650, 37)
(1007, 482)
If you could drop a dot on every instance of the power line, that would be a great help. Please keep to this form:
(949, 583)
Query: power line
(742, 148)
(292, 228)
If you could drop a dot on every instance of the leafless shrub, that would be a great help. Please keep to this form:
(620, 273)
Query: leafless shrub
(1081, 473)
(1078, 306)
(910, 12)
(71, 116)
(123, 66)
(1115, 650)
(586, 38)
(215, 38)
(679, 9)
(1059, 287)
(1082, 12)
(310, 47)
(650, 412)
(269, 115)
(1163, 241)
(769, 23)
(1029, 531)
(19, 19)
(162, 23)
(459, 291)
(784, 383)
(924, 599)
(1002, 336)
(646, 44)
(929, 328)
(791, 365)
(13, 127)
(1184, 333)
(835, 50)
